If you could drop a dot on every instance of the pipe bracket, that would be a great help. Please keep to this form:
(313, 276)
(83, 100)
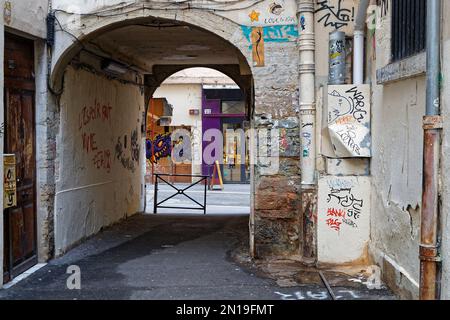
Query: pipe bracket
(433, 122)
(429, 253)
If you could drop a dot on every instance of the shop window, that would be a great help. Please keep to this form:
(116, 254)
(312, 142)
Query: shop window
(233, 107)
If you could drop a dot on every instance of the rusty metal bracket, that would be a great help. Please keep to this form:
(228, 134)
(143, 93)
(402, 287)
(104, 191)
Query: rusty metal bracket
(429, 253)
(433, 122)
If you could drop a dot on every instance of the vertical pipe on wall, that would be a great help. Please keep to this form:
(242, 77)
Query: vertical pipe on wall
(307, 92)
(429, 248)
(358, 42)
(337, 58)
(358, 57)
(307, 104)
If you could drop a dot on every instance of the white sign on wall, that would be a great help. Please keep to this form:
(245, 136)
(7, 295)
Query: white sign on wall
(348, 122)
(343, 218)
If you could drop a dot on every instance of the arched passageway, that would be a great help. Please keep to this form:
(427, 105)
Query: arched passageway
(105, 92)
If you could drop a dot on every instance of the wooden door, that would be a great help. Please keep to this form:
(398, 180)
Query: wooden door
(20, 221)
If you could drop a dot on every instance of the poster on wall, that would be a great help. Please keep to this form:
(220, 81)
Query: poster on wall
(9, 181)
(343, 218)
(348, 122)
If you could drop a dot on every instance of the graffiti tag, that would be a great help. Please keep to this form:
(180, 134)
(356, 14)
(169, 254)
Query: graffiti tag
(334, 16)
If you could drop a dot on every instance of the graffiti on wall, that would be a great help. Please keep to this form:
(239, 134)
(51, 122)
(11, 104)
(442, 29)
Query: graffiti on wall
(343, 218)
(276, 34)
(334, 14)
(89, 120)
(384, 7)
(159, 148)
(135, 146)
(344, 208)
(349, 121)
(128, 156)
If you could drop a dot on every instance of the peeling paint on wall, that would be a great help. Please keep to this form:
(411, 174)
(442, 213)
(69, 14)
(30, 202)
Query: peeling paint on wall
(349, 122)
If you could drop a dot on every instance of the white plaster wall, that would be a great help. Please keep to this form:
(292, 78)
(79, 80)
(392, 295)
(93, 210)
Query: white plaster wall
(445, 250)
(88, 198)
(184, 97)
(28, 16)
(396, 168)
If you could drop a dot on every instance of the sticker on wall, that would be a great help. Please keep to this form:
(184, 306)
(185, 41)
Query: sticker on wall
(254, 16)
(343, 218)
(9, 181)
(7, 12)
(276, 9)
(349, 121)
(257, 38)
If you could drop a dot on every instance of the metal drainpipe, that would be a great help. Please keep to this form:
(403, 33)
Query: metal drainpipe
(429, 248)
(358, 42)
(307, 97)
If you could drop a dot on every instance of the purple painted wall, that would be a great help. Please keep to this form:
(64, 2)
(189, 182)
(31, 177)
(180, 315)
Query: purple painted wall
(210, 121)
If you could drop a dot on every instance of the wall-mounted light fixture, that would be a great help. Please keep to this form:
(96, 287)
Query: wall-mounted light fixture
(114, 67)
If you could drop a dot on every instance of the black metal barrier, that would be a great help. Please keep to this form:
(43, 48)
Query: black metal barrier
(179, 191)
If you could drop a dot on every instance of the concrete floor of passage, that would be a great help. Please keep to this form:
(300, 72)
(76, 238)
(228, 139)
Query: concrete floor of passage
(167, 257)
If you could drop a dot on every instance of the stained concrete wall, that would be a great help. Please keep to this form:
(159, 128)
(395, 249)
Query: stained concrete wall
(445, 213)
(398, 99)
(27, 16)
(99, 168)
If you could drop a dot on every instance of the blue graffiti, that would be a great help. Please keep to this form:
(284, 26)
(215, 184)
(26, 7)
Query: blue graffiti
(277, 34)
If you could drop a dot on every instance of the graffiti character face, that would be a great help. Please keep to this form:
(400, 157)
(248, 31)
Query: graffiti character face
(159, 148)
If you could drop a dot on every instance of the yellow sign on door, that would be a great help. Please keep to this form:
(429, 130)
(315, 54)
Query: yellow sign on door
(9, 181)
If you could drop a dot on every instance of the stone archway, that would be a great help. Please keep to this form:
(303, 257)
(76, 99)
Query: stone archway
(276, 220)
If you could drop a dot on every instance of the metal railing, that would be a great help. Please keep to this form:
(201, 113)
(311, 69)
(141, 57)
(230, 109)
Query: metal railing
(179, 191)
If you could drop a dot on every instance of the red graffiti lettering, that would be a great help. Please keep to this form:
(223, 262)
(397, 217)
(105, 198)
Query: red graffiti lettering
(339, 213)
(334, 224)
(102, 160)
(95, 112)
(89, 143)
